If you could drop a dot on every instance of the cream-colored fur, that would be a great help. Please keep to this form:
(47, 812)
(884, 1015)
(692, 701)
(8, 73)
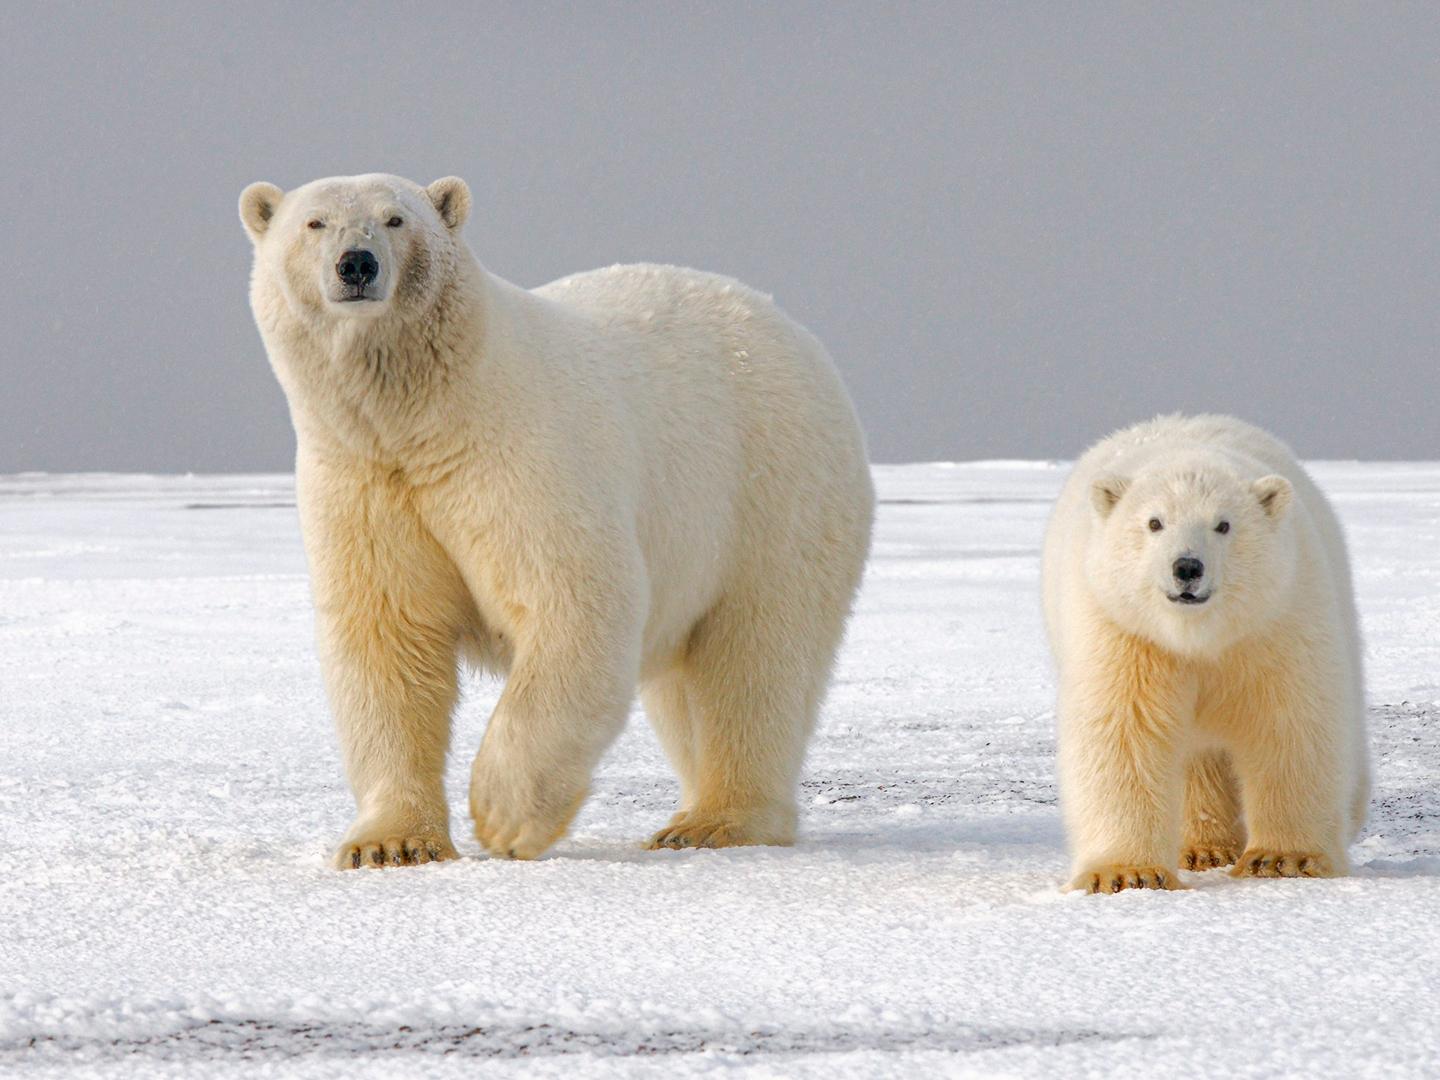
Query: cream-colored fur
(640, 477)
(1201, 734)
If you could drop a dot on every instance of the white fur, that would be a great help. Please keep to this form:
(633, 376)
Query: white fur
(1189, 731)
(637, 477)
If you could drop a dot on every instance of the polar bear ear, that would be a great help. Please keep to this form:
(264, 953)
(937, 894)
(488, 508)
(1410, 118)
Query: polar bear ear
(1106, 491)
(1274, 493)
(451, 197)
(258, 204)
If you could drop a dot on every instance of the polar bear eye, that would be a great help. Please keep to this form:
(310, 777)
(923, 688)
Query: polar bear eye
(395, 222)
(317, 224)
(1155, 525)
(1223, 528)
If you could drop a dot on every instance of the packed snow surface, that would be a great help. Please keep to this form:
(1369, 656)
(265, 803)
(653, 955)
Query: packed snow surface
(170, 787)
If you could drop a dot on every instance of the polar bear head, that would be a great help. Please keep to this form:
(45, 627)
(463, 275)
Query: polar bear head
(1191, 555)
(355, 247)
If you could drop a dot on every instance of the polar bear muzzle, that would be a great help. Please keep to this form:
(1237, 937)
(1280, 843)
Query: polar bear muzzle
(356, 270)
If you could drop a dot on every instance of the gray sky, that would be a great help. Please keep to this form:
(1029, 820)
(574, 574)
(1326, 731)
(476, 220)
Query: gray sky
(1015, 227)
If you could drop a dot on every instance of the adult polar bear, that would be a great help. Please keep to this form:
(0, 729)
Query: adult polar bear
(640, 476)
(1199, 605)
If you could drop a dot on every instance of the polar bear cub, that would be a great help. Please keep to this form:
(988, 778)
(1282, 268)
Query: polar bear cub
(640, 477)
(1199, 607)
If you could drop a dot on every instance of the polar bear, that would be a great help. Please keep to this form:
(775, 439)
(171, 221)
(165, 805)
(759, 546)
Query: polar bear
(1198, 602)
(639, 477)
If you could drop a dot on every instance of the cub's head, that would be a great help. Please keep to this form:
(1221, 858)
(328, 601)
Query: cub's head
(1190, 555)
(355, 247)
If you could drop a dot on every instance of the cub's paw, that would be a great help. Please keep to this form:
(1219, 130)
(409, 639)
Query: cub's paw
(1267, 862)
(1203, 856)
(394, 850)
(1118, 878)
(709, 829)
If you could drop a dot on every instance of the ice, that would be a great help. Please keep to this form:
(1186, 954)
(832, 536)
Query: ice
(170, 788)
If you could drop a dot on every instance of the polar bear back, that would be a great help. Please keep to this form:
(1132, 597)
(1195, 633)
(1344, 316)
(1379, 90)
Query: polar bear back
(741, 438)
(719, 374)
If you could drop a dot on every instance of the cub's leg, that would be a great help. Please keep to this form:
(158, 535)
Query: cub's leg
(1213, 836)
(1292, 755)
(388, 606)
(1124, 714)
(1295, 820)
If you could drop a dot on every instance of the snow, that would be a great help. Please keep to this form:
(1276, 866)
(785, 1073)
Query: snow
(169, 788)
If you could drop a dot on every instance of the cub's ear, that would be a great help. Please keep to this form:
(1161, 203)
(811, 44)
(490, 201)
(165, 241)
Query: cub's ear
(1106, 491)
(1274, 493)
(258, 204)
(452, 201)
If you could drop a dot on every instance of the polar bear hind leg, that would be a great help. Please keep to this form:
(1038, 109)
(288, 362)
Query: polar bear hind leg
(747, 691)
(1213, 834)
(754, 673)
(667, 707)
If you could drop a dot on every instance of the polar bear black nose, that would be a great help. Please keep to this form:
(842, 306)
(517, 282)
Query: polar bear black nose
(358, 268)
(1188, 569)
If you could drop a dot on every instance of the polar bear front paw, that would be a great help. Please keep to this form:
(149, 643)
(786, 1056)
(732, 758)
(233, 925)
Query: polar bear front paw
(1269, 863)
(1117, 878)
(507, 836)
(396, 850)
(1208, 856)
(518, 816)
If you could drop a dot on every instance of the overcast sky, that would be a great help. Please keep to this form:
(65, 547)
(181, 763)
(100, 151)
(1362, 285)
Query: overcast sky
(1015, 226)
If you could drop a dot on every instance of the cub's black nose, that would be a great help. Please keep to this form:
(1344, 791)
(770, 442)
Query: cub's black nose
(1188, 569)
(358, 268)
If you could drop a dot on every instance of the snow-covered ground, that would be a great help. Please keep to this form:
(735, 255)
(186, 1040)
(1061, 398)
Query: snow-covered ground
(169, 787)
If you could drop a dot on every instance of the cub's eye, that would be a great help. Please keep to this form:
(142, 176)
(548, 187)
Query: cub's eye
(317, 224)
(395, 222)
(1155, 525)
(1223, 528)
